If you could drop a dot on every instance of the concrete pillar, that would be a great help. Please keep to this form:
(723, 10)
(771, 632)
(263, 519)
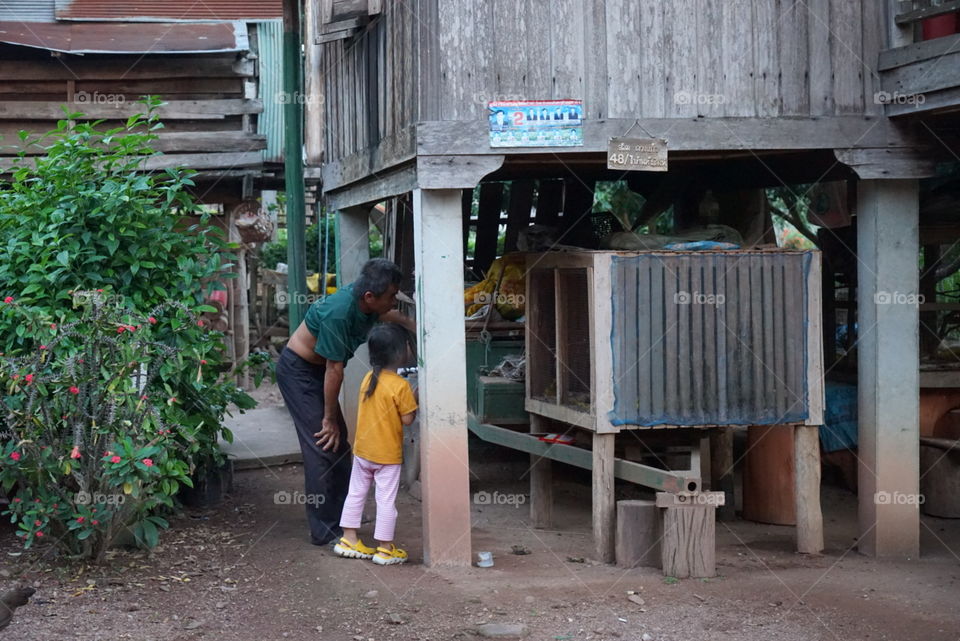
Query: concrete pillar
(353, 250)
(445, 471)
(889, 403)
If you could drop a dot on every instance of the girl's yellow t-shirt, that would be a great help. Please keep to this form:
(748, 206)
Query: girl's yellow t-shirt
(379, 429)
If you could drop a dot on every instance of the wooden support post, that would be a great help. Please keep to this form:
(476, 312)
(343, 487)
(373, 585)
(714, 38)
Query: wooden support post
(353, 247)
(639, 530)
(888, 364)
(806, 452)
(688, 547)
(441, 339)
(604, 503)
(541, 482)
(721, 470)
(239, 304)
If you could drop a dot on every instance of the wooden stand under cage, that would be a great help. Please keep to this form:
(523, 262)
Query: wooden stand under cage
(664, 340)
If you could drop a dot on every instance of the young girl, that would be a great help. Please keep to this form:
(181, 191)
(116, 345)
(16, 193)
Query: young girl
(386, 404)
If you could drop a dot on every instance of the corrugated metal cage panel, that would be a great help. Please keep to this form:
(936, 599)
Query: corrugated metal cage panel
(27, 10)
(717, 338)
(270, 70)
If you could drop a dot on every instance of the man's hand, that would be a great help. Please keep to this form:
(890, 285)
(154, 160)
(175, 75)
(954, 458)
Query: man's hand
(328, 438)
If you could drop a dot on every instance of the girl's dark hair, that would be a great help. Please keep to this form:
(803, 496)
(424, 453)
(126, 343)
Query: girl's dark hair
(387, 345)
(376, 276)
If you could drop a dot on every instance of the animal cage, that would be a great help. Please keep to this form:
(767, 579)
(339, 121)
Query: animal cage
(658, 339)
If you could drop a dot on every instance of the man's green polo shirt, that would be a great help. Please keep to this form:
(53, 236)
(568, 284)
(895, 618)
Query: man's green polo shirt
(339, 325)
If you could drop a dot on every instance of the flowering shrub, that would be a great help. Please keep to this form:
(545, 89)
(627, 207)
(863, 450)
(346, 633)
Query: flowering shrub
(86, 452)
(83, 214)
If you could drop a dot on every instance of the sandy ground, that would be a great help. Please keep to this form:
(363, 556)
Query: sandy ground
(245, 571)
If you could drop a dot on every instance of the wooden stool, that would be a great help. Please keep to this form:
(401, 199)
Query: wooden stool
(688, 547)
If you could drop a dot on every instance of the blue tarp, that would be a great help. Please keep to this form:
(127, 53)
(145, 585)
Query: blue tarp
(839, 429)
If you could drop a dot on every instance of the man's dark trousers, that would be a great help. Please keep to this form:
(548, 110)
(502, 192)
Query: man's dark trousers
(326, 474)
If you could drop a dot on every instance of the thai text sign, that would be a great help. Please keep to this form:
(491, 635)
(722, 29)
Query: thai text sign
(637, 154)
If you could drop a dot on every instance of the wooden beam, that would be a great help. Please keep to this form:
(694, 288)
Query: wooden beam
(389, 152)
(461, 172)
(518, 212)
(173, 109)
(177, 142)
(374, 189)
(650, 477)
(926, 50)
(942, 72)
(541, 482)
(604, 499)
(684, 134)
(231, 160)
(888, 368)
(889, 163)
(806, 453)
(353, 250)
(129, 68)
(916, 15)
(443, 395)
(488, 223)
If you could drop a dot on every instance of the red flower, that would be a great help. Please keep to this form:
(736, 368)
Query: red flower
(53, 325)
(199, 323)
(121, 329)
(38, 523)
(172, 399)
(43, 347)
(114, 459)
(39, 535)
(74, 389)
(80, 519)
(148, 462)
(203, 361)
(15, 456)
(8, 299)
(152, 320)
(16, 500)
(99, 291)
(131, 328)
(75, 452)
(144, 397)
(95, 522)
(28, 378)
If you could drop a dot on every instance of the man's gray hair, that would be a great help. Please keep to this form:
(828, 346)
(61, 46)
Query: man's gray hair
(376, 277)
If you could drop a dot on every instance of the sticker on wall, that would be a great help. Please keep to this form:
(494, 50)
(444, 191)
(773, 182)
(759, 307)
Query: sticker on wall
(536, 123)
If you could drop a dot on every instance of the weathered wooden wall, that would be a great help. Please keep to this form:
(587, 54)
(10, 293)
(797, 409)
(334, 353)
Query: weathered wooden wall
(432, 60)
(656, 59)
(209, 115)
(370, 83)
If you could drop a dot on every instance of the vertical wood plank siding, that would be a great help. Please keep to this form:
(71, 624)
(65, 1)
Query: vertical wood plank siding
(443, 60)
(717, 338)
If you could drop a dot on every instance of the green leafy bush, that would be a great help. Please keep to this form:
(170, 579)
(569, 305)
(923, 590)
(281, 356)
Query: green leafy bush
(85, 215)
(88, 455)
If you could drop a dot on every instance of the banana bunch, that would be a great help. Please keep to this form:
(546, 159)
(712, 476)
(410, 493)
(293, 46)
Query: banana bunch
(509, 299)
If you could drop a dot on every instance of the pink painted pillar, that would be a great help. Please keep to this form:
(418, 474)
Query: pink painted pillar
(444, 463)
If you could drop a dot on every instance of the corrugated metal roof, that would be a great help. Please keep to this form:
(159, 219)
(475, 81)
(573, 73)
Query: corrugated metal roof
(101, 37)
(168, 10)
(270, 63)
(27, 10)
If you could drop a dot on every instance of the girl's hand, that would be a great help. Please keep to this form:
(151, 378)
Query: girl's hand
(328, 438)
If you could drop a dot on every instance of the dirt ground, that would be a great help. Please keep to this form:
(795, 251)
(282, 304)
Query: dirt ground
(246, 571)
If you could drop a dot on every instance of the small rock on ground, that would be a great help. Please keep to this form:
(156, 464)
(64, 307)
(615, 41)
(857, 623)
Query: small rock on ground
(502, 630)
